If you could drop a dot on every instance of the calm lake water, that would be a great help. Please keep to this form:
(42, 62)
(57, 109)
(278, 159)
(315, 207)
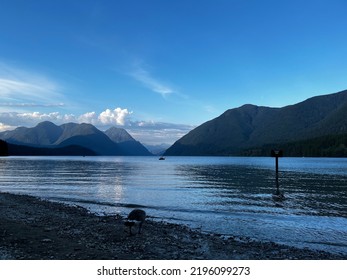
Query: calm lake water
(226, 195)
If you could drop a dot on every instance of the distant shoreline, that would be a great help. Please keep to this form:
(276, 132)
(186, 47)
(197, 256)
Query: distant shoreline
(32, 228)
(168, 157)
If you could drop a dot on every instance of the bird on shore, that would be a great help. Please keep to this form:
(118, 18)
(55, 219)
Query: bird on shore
(136, 215)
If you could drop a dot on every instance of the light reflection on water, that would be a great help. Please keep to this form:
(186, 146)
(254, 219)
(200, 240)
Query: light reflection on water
(231, 196)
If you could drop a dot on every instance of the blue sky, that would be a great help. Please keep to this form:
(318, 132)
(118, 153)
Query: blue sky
(159, 68)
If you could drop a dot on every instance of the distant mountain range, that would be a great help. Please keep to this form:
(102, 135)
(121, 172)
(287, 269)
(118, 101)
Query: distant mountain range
(158, 149)
(314, 127)
(71, 139)
(254, 130)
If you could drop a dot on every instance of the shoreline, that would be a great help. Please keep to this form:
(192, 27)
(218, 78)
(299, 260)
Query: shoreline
(35, 229)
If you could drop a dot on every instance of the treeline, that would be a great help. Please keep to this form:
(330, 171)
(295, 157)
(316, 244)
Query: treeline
(325, 146)
(7, 149)
(3, 148)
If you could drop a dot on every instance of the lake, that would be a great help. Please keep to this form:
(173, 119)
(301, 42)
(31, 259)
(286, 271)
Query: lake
(231, 196)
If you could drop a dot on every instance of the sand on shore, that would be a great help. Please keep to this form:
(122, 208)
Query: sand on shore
(32, 228)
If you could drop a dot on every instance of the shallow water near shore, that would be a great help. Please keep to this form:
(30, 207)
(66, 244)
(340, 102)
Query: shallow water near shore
(225, 195)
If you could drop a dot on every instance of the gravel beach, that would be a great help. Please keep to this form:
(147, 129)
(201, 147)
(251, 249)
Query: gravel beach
(36, 229)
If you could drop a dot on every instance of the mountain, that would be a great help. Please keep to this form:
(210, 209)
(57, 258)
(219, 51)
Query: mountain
(49, 135)
(118, 135)
(88, 136)
(253, 126)
(159, 149)
(126, 142)
(45, 133)
(83, 137)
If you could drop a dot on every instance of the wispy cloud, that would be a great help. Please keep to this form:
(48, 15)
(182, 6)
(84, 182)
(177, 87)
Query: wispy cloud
(21, 88)
(146, 79)
(30, 105)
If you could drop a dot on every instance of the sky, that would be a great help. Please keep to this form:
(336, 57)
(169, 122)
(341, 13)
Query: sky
(159, 68)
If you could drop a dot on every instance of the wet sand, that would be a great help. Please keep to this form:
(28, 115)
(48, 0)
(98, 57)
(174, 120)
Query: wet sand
(32, 228)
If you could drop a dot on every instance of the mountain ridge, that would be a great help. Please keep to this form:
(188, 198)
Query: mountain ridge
(254, 126)
(126, 142)
(86, 136)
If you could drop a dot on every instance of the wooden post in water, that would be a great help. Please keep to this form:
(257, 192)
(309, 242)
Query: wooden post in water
(277, 154)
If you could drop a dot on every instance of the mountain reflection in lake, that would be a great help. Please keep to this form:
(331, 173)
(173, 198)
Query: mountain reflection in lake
(226, 195)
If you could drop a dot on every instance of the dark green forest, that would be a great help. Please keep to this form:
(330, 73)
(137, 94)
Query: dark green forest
(7, 149)
(325, 146)
(3, 148)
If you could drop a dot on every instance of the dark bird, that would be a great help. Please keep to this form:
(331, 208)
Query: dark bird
(137, 215)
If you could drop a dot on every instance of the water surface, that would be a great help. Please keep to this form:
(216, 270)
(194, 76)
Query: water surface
(226, 195)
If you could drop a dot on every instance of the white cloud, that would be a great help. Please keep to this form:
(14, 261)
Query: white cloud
(147, 80)
(39, 116)
(149, 132)
(4, 127)
(108, 117)
(89, 117)
(15, 119)
(117, 116)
